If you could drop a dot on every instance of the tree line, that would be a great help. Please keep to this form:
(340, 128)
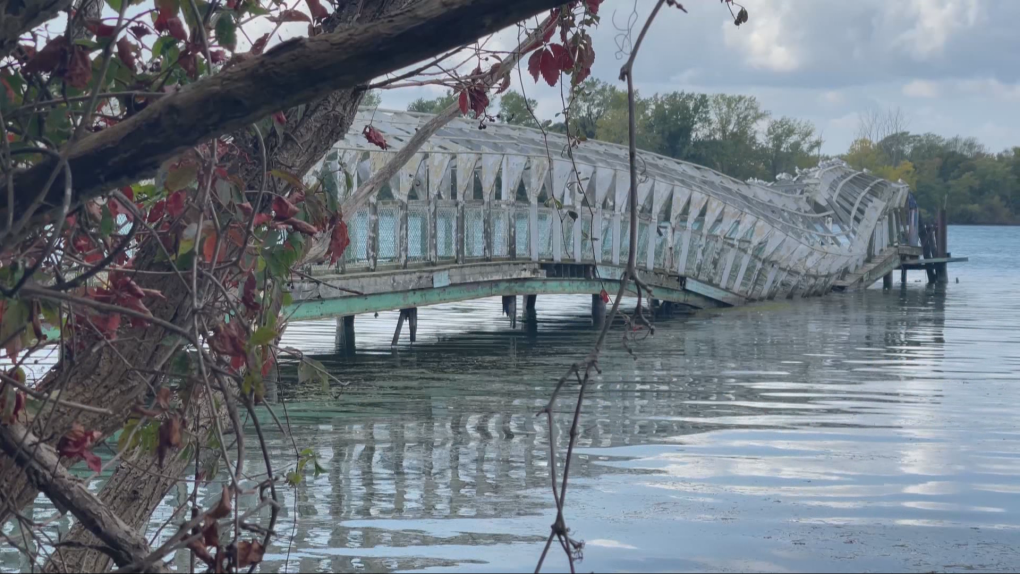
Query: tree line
(735, 135)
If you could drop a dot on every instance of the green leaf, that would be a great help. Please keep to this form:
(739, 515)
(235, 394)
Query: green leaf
(318, 469)
(263, 336)
(293, 478)
(308, 452)
(287, 299)
(252, 382)
(106, 225)
(182, 176)
(114, 5)
(226, 32)
(15, 316)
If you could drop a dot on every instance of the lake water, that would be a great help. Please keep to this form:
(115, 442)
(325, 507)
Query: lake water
(867, 431)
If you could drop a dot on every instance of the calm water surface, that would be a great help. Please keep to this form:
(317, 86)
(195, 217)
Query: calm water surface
(871, 431)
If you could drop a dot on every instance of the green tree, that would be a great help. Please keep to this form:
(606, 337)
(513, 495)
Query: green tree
(732, 143)
(517, 110)
(674, 122)
(789, 144)
(433, 106)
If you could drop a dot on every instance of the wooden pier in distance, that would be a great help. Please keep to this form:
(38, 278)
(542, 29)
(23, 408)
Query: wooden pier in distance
(932, 256)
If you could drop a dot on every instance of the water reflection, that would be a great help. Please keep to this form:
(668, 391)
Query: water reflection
(873, 431)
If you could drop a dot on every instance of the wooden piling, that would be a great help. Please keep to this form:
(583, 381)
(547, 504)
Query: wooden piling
(510, 309)
(887, 281)
(400, 325)
(598, 310)
(942, 269)
(529, 302)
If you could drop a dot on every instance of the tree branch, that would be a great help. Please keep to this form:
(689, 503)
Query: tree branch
(294, 72)
(45, 472)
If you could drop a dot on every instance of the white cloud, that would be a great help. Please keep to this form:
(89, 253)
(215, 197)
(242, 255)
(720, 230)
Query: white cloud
(921, 89)
(765, 40)
(990, 88)
(934, 23)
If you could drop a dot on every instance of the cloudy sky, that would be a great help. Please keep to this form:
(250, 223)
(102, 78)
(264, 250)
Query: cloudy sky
(951, 65)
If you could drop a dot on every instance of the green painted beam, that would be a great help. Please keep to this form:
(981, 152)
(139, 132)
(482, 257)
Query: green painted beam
(354, 305)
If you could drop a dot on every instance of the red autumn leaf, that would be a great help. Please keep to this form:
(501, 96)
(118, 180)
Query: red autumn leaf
(217, 56)
(245, 208)
(175, 204)
(550, 67)
(284, 209)
(77, 443)
(156, 213)
(338, 241)
(258, 45)
(47, 59)
(479, 101)
(279, 118)
(549, 33)
(605, 296)
(535, 64)
(302, 226)
(593, 5)
(17, 397)
(125, 286)
(187, 61)
(375, 137)
(291, 16)
(563, 59)
(465, 102)
(139, 31)
(99, 29)
(318, 12)
(248, 293)
(211, 534)
(267, 365)
(261, 219)
(176, 29)
(228, 339)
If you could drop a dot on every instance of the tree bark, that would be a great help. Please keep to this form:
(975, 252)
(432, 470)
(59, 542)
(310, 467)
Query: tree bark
(136, 489)
(43, 469)
(294, 72)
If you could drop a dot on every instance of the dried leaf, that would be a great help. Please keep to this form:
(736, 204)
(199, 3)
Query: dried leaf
(223, 508)
(169, 437)
(338, 241)
(375, 137)
(318, 12)
(291, 16)
(301, 226)
(47, 59)
(249, 553)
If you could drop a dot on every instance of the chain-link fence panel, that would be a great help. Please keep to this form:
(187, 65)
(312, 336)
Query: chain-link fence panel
(607, 237)
(522, 220)
(356, 254)
(545, 233)
(417, 232)
(642, 250)
(500, 231)
(587, 250)
(474, 232)
(624, 239)
(567, 226)
(661, 234)
(446, 232)
(389, 227)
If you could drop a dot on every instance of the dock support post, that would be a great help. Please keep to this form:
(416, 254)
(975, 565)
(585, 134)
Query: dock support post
(598, 310)
(529, 302)
(412, 323)
(903, 276)
(942, 269)
(345, 334)
(400, 325)
(887, 281)
(510, 309)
